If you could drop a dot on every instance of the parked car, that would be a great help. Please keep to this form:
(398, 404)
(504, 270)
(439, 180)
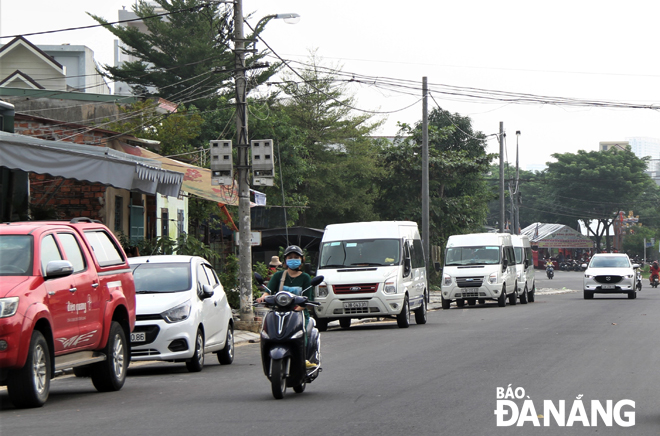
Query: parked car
(610, 273)
(67, 300)
(182, 312)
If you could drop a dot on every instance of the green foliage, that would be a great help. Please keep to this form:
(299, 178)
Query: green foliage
(458, 163)
(184, 245)
(230, 280)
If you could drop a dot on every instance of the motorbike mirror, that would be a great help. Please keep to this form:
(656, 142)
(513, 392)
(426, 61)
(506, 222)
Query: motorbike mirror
(258, 278)
(317, 280)
(584, 265)
(635, 265)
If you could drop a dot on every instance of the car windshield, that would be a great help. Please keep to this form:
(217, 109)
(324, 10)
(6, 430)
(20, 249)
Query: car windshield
(151, 278)
(609, 262)
(483, 255)
(16, 255)
(362, 252)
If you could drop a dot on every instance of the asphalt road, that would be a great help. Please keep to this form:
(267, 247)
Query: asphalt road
(441, 378)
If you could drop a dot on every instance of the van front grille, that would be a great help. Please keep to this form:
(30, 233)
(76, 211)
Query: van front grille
(358, 288)
(469, 282)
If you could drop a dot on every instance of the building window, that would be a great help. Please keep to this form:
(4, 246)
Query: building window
(179, 223)
(164, 223)
(119, 213)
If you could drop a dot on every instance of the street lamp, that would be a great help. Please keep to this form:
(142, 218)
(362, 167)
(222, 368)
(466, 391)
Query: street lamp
(243, 166)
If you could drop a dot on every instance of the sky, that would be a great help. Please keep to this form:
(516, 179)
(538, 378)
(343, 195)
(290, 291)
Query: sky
(573, 49)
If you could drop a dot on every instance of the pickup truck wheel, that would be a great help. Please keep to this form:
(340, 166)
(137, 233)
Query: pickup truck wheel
(445, 303)
(196, 363)
(502, 300)
(29, 386)
(403, 318)
(110, 374)
(420, 312)
(226, 355)
(322, 324)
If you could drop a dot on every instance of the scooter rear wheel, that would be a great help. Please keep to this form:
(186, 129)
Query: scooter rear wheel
(278, 379)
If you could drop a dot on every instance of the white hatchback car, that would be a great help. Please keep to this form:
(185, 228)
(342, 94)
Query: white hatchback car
(182, 312)
(610, 273)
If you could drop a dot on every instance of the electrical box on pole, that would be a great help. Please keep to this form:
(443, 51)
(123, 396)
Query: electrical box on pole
(222, 165)
(263, 166)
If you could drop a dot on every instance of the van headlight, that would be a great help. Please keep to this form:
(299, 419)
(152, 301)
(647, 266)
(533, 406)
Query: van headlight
(520, 275)
(178, 313)
(322, 290)
(492, 278)
(446, 279)
(390, 287)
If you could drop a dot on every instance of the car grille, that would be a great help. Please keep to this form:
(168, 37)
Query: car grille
(356, 311)
(469, 282)
(151, 333)
(148, 317)
(358, 288)
(470, 294)
(608, 279)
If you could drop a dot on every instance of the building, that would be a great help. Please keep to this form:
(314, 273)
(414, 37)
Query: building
(82, 72)
(608, 145)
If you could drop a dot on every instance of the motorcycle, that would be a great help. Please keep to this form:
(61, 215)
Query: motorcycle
(283, 352)
(638, 277)
(550, 271)
(654, 281)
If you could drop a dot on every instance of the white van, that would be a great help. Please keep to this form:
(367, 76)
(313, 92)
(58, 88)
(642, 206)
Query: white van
(524, 268)
(479, 267)
(371, 269)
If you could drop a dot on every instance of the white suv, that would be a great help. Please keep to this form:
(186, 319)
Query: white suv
(610, 273)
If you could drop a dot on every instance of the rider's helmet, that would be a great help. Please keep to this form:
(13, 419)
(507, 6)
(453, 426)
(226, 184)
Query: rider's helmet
(655, 264)
(293, 249)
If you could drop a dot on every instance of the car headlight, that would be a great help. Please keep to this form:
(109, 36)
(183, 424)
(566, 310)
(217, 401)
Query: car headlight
(8, 307)
(492, 278)
(446, 280)
(322, 290)
(178, 313)
(390, 288)
(630, 276)
(588, 276)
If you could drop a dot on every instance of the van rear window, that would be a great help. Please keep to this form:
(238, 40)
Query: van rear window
(483, 255)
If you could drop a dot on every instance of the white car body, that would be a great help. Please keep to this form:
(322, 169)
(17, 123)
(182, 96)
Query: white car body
(371, 269)
(610, 273)
(479, 266)
(164, 334)
(524, 268)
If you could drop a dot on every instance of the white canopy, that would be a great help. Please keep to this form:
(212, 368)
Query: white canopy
(89, 163)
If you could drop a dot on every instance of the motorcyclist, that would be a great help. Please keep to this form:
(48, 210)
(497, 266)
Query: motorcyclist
(654, 270)
(294, 280)
(549, 264)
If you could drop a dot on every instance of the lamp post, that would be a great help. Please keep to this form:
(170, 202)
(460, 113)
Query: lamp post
(243, 165)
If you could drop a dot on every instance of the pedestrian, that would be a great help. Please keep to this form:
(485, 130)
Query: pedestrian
(273, 266)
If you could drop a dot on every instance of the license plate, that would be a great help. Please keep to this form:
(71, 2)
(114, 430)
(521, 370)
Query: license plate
(608, 286)
(470, 289)
(139, 337)
(355, 304)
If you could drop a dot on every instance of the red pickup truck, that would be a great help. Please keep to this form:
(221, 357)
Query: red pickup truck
(67, 300)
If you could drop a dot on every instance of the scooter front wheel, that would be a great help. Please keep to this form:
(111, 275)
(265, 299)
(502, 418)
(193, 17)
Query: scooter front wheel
(278, 379)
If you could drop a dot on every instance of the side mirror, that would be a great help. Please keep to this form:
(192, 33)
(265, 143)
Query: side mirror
(58, 268)
(505, 264)
(207, 292)
(406, 266)
(526, 263)
(259, 279)
(317, 280)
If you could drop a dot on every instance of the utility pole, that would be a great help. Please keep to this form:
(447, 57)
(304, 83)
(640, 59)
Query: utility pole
(516, 219)
(425, 176)
(502, 211)
(243, 167)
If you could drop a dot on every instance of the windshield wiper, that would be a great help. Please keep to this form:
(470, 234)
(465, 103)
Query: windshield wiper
(332, 266)
(368, 263)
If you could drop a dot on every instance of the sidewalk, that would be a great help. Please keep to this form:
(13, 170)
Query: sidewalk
(242, 337)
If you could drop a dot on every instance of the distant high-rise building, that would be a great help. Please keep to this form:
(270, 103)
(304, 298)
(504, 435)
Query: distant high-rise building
(643, 147)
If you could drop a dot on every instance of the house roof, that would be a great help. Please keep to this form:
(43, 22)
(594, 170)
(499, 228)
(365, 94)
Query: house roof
(20, 41)
(19, 75)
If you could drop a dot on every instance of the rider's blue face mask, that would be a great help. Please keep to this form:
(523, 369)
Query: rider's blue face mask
(293, 263)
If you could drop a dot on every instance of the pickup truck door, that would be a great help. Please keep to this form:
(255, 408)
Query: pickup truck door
(61, 298)
(89, 306)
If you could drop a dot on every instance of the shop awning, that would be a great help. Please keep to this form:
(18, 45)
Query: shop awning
(196, 180)
(87, 163)
(546, 235)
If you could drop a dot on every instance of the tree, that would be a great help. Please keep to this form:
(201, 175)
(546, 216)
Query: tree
(458, 163)
(597, 185)
(328, 157)
(185, 55)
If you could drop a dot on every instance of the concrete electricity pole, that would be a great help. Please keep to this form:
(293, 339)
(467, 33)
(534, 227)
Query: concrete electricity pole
(502, 211)
(425, 176)
(243, 170)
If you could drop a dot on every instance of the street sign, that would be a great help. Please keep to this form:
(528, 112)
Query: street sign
(255, 238)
